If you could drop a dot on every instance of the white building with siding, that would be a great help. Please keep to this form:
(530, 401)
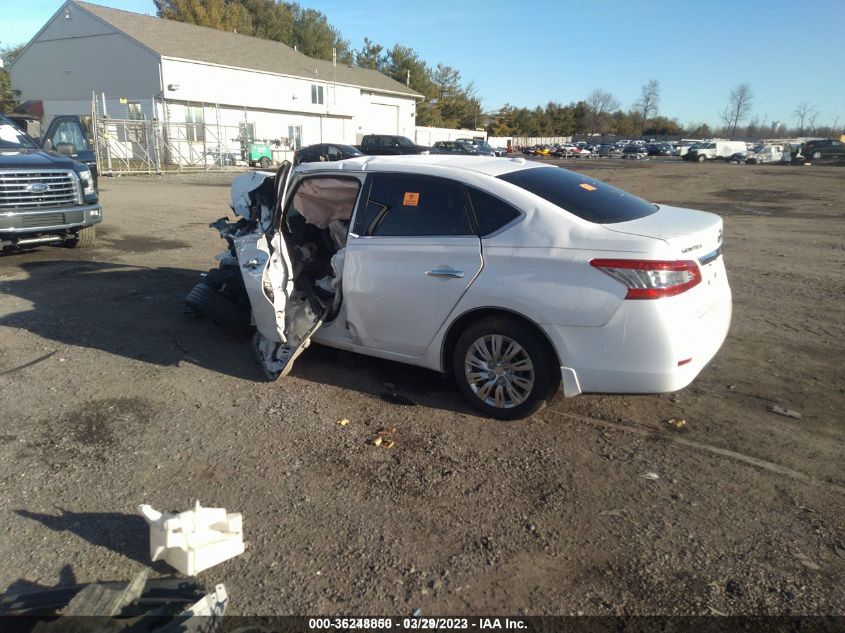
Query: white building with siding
(149, 67)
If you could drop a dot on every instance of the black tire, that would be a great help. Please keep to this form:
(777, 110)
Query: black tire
(203, 300)
(816, 155)
(544, 377)
(701, 158)
(264, 162)
(84, 238)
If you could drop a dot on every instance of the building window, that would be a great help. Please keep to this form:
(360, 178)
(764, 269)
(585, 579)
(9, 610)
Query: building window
(134, 111)
(317, 95)
(295, 136)
(195, 128)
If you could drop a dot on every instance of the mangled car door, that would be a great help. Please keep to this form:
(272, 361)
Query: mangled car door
(284, 322)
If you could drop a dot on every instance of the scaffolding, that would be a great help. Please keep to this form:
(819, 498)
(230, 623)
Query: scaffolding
(156, 144)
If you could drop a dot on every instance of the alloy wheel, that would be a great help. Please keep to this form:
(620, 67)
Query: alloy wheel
(499, 371)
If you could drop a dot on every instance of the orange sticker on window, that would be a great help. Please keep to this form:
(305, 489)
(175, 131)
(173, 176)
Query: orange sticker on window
(584, 185)
(411, 199)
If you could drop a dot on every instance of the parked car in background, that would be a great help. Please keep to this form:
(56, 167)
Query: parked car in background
(453, 147)
(45, 196)
(565, 150)
(659, 149)
(606, 149)
(686, 144)
(714, 149)
(388, 144)
(635, 151)
(523, 276)
(764, 154)
(325, 152)
(481, 147)
(824, 149)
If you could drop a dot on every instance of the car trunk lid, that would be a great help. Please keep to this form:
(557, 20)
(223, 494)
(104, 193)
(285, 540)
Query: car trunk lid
(691, 236)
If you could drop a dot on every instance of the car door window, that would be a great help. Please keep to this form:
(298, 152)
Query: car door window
(406, 205)
(491, 213)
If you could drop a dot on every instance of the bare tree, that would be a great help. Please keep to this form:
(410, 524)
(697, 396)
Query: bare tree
(739, 105)
(812, 121)
(600, 102)
(648, 103)
(804, 112)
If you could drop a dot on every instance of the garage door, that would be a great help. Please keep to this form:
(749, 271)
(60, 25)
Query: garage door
(380, 118)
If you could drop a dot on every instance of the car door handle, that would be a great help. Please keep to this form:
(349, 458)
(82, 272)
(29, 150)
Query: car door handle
(445, 272)
(254, 263)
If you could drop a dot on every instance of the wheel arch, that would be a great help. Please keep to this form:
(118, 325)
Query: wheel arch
(471, 316)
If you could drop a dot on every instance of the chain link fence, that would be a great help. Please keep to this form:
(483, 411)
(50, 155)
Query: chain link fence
(153, 145)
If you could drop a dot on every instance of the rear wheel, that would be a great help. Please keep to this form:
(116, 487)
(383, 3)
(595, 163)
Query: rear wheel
(84, 237)
(264, 162)
(701, 158)
(504, 369)
(817, 155)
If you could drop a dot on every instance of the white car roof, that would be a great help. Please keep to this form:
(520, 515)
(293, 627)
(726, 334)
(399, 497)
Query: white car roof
(424, 164)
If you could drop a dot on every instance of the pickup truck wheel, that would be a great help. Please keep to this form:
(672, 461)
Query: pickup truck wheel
(264, 162)
(701, 158)
(84, 237)
(504, 369)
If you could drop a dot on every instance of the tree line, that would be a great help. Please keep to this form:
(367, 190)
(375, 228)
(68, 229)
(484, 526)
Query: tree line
(449, 101)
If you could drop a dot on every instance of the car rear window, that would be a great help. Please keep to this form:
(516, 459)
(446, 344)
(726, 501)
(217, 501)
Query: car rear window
(491, 214)
(589, 199)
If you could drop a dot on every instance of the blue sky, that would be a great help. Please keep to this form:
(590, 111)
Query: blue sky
(534, 51)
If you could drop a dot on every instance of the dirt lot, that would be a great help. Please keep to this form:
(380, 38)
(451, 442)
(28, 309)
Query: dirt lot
(552, 515)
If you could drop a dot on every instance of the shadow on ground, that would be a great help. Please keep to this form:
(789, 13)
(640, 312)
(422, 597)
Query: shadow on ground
(138, 313)
(125, 534)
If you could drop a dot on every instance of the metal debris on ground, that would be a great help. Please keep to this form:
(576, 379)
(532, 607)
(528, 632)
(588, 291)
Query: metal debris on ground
(343, 422)
(142, 605)
(773, 408)
(651, 476)
(677, 423)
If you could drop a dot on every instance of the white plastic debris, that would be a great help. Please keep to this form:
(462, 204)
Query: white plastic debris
(194, 540)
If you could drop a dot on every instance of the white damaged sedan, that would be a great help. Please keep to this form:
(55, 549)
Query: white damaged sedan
(515, 277)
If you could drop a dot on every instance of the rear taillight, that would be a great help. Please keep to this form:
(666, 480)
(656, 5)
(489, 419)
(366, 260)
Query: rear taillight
(647, 279)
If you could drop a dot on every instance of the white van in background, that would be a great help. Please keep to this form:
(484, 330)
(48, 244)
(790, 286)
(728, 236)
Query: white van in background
(715, 148)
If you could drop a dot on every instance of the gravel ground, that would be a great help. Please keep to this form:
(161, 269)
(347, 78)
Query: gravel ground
(551, 515)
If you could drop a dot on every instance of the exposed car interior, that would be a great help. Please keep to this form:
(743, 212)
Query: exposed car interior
(315, 228)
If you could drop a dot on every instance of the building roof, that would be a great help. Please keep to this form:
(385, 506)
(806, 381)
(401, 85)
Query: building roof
(170, 38)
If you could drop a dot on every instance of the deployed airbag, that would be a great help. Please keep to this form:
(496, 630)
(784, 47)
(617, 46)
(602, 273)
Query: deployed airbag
(324, 200)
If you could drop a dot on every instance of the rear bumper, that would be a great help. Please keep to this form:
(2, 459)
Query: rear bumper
(20, 222)
(639, 349)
